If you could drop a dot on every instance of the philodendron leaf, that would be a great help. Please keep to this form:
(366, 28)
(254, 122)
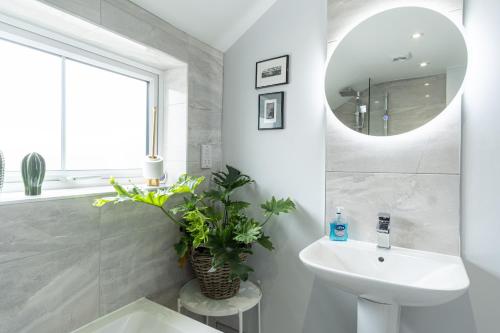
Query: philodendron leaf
(238, 269)
(120, 190)
(276, 207)
(121, 195)
(248, 232)
(216, 195)
(104, 201)
(157, 199)
(197, 227)
(182, 250)
(236, 207)
(186, 184)
(265, 241)
(188, 203)
(231, 180)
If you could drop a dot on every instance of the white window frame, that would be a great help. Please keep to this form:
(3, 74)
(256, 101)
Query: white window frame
(87, 54)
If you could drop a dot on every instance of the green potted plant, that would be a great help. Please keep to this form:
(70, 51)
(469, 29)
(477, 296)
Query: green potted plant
(217, 234)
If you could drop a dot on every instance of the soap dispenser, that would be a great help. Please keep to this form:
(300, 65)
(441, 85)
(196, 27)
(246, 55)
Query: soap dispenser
(339, 227)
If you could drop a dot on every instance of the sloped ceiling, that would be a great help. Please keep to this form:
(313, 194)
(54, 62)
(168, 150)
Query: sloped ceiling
(218, 23)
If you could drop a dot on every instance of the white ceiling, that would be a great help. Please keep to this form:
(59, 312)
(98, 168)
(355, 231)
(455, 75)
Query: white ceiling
(218, 23)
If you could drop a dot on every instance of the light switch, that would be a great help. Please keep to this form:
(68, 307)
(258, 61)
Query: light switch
(206, 156)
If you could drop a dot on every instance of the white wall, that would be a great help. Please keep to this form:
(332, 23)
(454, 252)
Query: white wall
(481, 163)
(289, 162)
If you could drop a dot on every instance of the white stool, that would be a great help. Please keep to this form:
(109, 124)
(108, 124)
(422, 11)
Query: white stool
(191, 298)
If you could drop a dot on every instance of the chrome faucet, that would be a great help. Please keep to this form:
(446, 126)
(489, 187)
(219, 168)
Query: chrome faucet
(384, 231)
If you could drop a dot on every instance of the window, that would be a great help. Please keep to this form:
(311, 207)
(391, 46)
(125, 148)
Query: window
(105, 119)
(88, 117)
(30, 105)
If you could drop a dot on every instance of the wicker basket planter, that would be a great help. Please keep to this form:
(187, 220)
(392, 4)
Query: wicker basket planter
(218, 284)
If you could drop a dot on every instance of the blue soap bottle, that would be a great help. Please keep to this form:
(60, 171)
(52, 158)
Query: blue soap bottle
(339, 228)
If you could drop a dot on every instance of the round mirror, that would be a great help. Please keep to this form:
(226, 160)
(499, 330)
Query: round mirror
(396, 71)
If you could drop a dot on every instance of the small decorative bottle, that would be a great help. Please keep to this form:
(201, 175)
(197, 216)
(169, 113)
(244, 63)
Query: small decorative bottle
(339, 227)
(33, 171)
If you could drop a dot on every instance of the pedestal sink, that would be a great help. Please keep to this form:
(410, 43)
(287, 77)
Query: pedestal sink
(386, 279)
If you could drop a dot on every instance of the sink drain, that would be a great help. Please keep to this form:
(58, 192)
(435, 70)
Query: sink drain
(381, 259)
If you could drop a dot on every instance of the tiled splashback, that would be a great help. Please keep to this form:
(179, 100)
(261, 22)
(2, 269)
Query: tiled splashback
(415, 176)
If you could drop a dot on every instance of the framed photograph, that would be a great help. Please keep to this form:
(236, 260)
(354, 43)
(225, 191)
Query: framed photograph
(271, 111)
(272, 72)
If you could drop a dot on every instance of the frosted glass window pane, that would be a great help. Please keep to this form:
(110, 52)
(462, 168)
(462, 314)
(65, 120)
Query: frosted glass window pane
(30, 105)
(105, 119)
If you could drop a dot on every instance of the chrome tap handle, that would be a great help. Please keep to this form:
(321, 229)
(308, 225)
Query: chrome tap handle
(384, 223)
(384, 231)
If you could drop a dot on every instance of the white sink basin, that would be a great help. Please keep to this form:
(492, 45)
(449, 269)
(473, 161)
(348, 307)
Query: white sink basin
(393, 276)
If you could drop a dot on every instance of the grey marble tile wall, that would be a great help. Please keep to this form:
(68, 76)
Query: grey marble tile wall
(423, 207)
(205, 66)
(414, 176)
(64, 263)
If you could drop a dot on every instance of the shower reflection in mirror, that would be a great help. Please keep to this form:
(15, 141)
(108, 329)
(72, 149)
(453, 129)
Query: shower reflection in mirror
(398, 82)
(394, 107)
(360, 109)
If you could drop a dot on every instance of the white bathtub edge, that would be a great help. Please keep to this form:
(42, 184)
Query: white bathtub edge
(143, 304)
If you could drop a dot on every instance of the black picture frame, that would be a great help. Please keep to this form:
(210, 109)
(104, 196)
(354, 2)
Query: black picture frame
(274, 119)
(286, 73)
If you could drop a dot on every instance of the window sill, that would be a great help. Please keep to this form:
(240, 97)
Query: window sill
(10, 198)
(19, 197)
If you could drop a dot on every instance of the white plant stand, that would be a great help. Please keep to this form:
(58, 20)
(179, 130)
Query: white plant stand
(192, 299)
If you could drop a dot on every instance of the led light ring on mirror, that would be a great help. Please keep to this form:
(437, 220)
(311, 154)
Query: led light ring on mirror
(454, 29)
